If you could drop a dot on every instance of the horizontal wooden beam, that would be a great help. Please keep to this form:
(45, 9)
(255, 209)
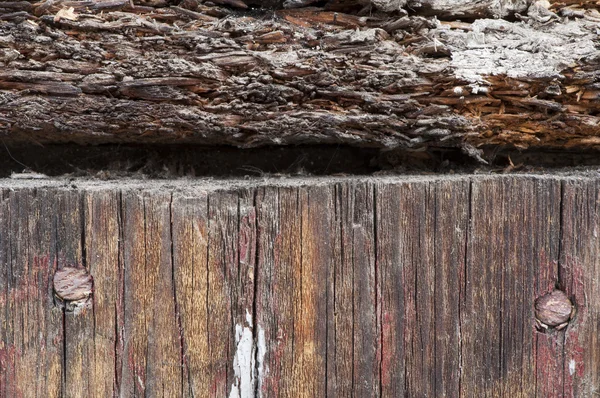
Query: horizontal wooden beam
(370, 287)
(107, 72)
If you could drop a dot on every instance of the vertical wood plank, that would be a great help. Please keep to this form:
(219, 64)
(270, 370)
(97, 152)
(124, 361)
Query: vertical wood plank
(513, 235)
(450, 240)
(231, 263)
(310, 304)
(276, 226)
(530, 255)
(164, 350)
(152, 353)
(422, 230)
(222, 265)
(138, 281)
(353, 345)
(31, 351)
(244, 281)
(244, 382)
(481, 323)
(483, 282)
(341, 325)
(580, 278)
(51, 370)
(540, 232)
(7, 369)
(392, 282)
(91, 336)
(294, 248)
(78, 328)
(417, 207)
(190, 256)
(102, 248)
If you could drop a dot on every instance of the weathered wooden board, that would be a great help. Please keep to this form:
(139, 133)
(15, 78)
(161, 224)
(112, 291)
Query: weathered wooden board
(389, 286)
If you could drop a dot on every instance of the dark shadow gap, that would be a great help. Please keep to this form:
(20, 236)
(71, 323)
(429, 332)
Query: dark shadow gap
(175, 161)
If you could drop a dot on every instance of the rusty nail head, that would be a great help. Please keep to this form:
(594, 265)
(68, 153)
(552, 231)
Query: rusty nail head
(553, 309)
(73, 288)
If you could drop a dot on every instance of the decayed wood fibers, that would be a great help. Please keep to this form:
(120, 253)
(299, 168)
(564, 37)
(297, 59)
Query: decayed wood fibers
(157, 72)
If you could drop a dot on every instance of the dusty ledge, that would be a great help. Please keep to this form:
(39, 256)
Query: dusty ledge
(195, 185)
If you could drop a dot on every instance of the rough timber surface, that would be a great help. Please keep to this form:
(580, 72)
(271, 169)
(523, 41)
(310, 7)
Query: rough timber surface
(380, 73)
(386, 286)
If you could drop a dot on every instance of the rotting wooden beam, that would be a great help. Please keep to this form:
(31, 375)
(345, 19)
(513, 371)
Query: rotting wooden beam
(107, 72)
(385, 286)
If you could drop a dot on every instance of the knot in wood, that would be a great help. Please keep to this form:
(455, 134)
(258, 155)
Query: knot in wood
(73, 288)
(553, 309)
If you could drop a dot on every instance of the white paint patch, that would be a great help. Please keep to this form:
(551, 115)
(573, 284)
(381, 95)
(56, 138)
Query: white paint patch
(248, 317)
(262, 349)
(572, 367)
(141, 383)
(244, 362)
(235, 391)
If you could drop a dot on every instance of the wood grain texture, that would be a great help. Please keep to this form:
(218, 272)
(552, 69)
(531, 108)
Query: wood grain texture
(104, 261)
(579, 271)
(32, 347)
(295, 274)
(512, 255)
(354, 336)
(190, 262)
(345, 287)
(151, 352)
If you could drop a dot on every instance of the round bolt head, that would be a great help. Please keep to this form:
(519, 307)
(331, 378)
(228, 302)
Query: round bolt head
(553, 309)
(73, 288)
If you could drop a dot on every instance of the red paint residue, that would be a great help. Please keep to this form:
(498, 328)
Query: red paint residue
(217, 383)
(8, 378)
(137, 372)
(33, 286)
(576, 333)
(549, 361)
(387, 351)
(274, 362)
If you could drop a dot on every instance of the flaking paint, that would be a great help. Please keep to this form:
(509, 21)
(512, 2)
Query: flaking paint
(247, 376)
